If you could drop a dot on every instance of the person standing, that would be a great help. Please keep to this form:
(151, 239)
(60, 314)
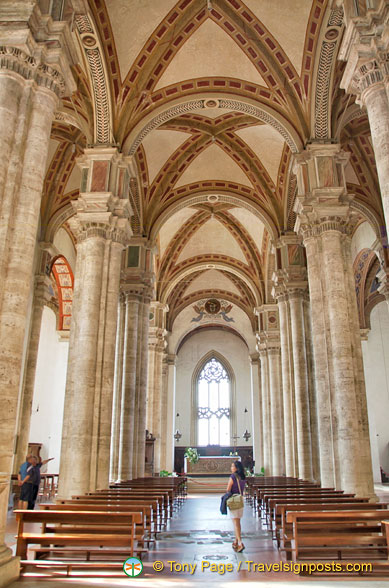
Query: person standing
(236, 485)
(27, 482)
(39, 464)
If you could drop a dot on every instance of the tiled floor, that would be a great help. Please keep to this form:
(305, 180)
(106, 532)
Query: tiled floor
(199, 533)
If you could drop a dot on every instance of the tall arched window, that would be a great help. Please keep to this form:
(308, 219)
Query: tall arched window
(213, 405)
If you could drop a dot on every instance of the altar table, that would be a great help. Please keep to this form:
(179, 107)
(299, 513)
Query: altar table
(211, 465)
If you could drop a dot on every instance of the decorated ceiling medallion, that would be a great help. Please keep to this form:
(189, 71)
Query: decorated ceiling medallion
(210, 309)
(212, 306)
(332, 34)
(89, 41)
(211, 103)
(213, 198)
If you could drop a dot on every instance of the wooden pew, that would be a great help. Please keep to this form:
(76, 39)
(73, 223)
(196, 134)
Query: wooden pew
(321, 535)
(321, 493)
(161, 496)
(144, 533)
(140, 491)
(283, 529)
(276, 506)
(385, 530)
(68, 534)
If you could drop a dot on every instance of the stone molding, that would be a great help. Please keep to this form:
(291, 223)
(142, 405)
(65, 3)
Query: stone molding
(15, 60)
(94, 55)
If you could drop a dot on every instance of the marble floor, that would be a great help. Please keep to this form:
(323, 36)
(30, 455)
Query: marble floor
(199, 533)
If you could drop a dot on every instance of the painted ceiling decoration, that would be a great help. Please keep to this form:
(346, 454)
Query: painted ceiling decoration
(210, 101)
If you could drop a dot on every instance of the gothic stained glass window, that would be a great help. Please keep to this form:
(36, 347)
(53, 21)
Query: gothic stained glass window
(213, 405)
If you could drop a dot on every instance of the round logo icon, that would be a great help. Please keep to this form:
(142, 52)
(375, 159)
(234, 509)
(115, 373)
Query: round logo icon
(132, 567)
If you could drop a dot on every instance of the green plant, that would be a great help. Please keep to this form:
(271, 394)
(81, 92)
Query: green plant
(261, 474)
(191, 455)
(164, 474)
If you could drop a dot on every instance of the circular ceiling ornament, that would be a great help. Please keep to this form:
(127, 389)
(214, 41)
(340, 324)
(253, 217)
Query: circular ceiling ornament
(213, 198)
(89, 41)
(212, 306)
(211, 103)
(332, 34)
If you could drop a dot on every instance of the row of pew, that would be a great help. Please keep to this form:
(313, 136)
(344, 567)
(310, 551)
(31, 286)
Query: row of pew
(311, 523)
(98, 530)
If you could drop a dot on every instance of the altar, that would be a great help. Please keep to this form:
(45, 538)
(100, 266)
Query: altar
(211, 465)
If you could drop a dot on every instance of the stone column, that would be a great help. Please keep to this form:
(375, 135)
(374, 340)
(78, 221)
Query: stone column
(167, 458)
(20, 205)
(365, 50)
(266, 423)
(33, 76)
(155, 384)
(323, 208)
(312, 391)
(277, 424)
(41, 297)
(127, 410)
(301, 384)
(287, 384)
(9, 565)
(257, 411)
(142, 386)
(137, 284)
(117, 392)
(269, 342)
(101, 225)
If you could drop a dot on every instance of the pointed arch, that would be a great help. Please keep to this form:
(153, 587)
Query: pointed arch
(64, 280)
(200, 413)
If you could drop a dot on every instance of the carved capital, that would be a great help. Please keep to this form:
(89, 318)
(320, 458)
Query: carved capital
(18, 61)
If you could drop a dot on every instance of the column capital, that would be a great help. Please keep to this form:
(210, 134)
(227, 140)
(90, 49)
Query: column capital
(170, 358)
(36, 47)
(254, 358)
(103, 207)
(364, 49)
(322, 203)
(383, 277)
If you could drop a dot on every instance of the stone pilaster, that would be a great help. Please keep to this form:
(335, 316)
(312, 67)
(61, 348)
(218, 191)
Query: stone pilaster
(156, 393)
(323, 209)
(269, 349)
(365, 49)
(41, 297)
(101, 225)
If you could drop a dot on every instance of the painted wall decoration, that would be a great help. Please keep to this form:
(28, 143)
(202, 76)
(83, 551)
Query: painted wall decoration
(211, 309)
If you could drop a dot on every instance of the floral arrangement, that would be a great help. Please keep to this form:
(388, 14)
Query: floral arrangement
(164, 474)
(191, 455)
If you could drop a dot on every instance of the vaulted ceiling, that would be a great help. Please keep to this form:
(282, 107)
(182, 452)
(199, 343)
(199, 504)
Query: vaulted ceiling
(211, 98)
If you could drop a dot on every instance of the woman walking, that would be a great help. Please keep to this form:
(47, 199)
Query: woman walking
(236, 485)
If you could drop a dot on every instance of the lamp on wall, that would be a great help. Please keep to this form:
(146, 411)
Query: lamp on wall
(246, 435)
(177, 435)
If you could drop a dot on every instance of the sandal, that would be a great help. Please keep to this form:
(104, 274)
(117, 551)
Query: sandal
(241, 548)
(234, 545)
